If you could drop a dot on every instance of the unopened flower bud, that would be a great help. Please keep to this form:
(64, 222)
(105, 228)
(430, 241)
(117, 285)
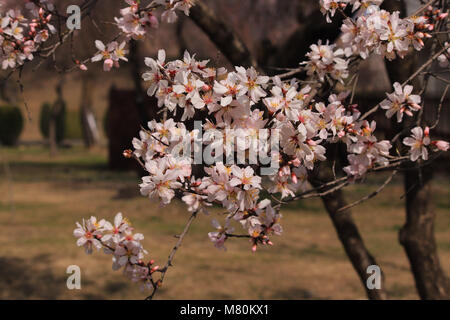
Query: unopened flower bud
(441, 145)
(294, 178)
(127, 153)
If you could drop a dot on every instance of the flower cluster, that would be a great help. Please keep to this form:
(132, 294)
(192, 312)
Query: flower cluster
(110, 54)
(134, 22)
(365, 150)
(420, 141)
(171, 6)
(244, 100)
(21, 37)
(329, 7)
(383, 33)
(325, 60)
(118, 240)
(400, 102)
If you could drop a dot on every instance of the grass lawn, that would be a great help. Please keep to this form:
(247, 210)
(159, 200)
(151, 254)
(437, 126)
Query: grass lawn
(42, 198)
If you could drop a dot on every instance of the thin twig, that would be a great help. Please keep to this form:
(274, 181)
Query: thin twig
(163, 271)
(371, 195)
(441, 103)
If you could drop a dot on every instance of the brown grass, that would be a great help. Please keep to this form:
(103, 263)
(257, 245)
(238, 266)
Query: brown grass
(44, 199)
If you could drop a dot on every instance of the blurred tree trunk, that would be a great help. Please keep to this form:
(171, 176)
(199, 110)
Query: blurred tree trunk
(136, 75)
(54, 113)
(417, 235)
(182, 45)
(238, 54)
(88, 122)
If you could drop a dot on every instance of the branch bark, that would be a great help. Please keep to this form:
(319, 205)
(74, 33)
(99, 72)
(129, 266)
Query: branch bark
(222, 35)
(417, 236)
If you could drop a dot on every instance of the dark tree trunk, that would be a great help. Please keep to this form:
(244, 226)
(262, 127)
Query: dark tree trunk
(54, 113)
(417, 235)
(347, 231)
(136, 75)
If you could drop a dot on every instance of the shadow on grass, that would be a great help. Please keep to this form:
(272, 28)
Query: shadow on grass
(68, 171)
(29, 279)
(295, 293)
(34, 279)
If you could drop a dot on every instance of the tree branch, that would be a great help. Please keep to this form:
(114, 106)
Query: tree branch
(171, 256)
(222, 35)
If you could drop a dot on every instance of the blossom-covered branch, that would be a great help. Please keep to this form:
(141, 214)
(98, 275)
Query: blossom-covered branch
(263, 136)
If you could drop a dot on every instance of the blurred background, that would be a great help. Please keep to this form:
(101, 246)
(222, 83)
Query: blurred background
(49, 183)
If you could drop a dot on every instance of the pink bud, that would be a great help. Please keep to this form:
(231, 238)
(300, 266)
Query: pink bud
(83, 67)
(108, 64)
(441, 145)
(127, 153)
(154, 269)
(426, 131)
(294, 177)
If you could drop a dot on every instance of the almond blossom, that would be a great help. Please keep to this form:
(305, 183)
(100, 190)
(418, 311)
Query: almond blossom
(418, 143)
(110, 54)
(21, 37)
(400, 102)
(324, 60)
(382, 33)
(220, 236)
(89, 234)
(118, 240)
(245, 178)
